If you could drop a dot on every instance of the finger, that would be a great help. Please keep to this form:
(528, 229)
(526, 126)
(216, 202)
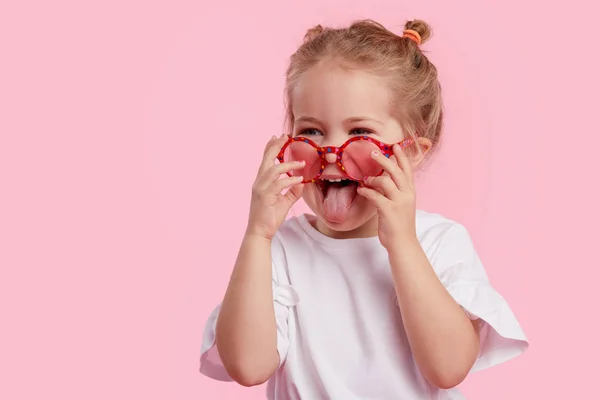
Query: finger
(404, 163)
(374, 196)
(283, 168)
(294, 194)
(266, 180)
(392, 168)
(273, 148)
(271, 151)
(286, 167)
(385, 184)
(284, 183)
(268, 144)
(263, 165)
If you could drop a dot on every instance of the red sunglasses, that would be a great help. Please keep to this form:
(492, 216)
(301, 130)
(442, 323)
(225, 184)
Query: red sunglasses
(353, 157)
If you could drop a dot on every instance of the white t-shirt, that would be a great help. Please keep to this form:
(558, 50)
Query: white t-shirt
(339, 329)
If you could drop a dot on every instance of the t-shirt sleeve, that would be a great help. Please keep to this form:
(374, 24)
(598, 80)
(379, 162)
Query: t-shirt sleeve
(462, 273)
(284, 297)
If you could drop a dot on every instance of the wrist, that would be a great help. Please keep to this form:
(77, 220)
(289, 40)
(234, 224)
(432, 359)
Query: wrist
(404, 245)
(256, 237)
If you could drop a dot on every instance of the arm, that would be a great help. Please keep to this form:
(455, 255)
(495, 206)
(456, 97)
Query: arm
(246, 333)
(443, 340)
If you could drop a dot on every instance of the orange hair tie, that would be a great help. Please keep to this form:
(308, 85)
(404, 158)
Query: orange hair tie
(412, 35)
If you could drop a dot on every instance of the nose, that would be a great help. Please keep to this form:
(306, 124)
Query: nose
(330, 158)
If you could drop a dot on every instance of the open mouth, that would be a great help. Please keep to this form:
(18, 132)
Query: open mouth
(338, 183)
(338, 196)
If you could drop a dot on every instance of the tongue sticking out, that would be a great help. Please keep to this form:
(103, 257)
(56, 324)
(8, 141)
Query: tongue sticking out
(337, 202)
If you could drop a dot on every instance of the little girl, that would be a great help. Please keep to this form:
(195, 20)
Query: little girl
(370, 298)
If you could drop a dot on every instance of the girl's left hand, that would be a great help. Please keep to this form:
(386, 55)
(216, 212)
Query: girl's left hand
(393, 193)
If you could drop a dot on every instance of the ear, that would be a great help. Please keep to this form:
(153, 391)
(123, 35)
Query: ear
(425, 145)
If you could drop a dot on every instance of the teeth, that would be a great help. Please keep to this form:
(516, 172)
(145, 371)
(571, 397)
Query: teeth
(336, 180)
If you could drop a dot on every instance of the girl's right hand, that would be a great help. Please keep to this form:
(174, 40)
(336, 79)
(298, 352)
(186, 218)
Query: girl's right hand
(269, 207)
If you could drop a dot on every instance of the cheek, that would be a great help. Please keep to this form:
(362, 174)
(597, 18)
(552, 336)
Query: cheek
(309, 195)
(365, 206)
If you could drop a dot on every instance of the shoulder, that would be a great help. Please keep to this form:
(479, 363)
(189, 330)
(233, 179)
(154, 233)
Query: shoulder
(291, 233)
(292, 227)
(289, 240)
(443, 239)
(432, 227)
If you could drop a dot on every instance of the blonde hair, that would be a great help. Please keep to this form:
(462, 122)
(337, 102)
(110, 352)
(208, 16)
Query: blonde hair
(369, 46)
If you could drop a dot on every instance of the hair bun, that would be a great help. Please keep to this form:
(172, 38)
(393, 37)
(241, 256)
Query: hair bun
(313, 32)
(421, 27)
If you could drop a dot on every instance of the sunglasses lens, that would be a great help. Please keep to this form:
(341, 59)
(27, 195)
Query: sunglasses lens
(358, 162)
(302, 151)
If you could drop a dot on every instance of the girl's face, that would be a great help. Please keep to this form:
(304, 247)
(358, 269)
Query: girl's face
(331, 105)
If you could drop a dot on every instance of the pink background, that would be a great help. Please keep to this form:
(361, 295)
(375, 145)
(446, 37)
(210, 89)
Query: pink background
(121, 209)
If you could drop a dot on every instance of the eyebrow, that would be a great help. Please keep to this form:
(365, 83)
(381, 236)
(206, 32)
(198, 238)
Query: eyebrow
(362, 119)
(307, 119)
(347, 121)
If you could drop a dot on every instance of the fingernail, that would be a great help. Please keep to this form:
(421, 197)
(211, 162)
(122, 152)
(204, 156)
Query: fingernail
(301, 162)
(375, 153)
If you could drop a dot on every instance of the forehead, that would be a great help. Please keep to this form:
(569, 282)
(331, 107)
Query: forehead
(327, 91)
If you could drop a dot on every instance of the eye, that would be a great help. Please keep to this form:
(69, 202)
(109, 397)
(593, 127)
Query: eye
(361, 131)
(310, 132)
